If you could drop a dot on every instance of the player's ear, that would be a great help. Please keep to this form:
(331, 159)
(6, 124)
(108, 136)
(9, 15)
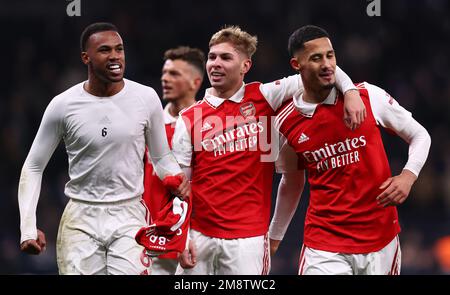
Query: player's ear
(295, 64)
(85, 57)
(246, 65)
(196, 83)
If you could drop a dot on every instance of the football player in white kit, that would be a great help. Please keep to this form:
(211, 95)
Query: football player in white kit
(105, 123)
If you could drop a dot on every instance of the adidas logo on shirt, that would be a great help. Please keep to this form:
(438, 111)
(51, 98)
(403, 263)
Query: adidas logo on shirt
(105, 120)
(206, 126)
(303, 138)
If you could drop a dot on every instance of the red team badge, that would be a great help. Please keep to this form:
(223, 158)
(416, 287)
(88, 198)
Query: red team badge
(247, 109)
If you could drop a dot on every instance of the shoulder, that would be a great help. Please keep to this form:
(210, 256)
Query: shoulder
(367, 89)
(74, 91)
(253, 85)
(141, 89)
(145, 94)
(190, 110)
(286, 107)
(253, 88)
(376, 95)
(62, 99)
(283, 112)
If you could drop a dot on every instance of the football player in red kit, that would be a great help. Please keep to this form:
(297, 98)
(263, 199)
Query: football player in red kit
(221, 140)
(351, 225)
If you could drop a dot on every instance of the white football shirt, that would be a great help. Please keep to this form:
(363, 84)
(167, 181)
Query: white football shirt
(105, 140)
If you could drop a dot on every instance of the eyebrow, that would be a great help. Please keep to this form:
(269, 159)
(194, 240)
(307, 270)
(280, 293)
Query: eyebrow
(221, 54)
(320, 54)
(110, 46)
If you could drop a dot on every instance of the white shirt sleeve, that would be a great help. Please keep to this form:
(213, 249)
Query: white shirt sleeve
(289, 194)
(287, 158)
(181, 143)
(162, 158)
(389, 114)
(47, 138)
(279, 91)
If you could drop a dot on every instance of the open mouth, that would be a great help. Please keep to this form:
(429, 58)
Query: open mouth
(216, 76)
(166, 88)
(115, 68)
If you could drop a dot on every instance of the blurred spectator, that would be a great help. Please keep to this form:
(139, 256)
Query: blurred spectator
(442, 253)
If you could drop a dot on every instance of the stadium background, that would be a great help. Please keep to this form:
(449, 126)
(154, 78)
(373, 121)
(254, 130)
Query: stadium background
(405, 51)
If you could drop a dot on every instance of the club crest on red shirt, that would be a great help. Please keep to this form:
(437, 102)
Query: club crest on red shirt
(247, 109)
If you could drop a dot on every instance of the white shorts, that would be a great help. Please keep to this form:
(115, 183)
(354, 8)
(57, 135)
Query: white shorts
(245, 256)
(98, 238)
(386, 261)
(164, 266)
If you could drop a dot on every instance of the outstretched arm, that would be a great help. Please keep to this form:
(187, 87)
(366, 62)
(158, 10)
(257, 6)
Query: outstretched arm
(281, 90)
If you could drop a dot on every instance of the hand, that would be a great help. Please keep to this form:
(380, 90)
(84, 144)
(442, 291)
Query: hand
(178, 185)
(274, 244)
(188, 259)
(354, 109)
(34, 247)
(184, 189)
(396, 189)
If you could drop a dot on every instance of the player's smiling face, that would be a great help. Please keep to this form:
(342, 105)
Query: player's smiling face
(317, 63)
(226, 66)
(106, 56)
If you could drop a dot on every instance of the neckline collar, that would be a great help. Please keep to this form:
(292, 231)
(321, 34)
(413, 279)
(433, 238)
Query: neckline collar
(308, 108)
(217, 101)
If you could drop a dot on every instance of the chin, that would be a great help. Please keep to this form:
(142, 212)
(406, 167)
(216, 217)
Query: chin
(169, 98)
(215, 84)
(116, 79)
(330, 85)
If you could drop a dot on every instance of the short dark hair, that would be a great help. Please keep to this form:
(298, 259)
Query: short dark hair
(304, 34)
(192, 56)
(92, 29)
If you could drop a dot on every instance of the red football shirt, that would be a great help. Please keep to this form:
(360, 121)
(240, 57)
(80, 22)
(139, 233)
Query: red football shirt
(155, 194)
(231, 187)
(345, 169)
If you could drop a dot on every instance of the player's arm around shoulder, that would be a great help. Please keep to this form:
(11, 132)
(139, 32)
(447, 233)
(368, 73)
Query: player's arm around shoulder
(354, 109)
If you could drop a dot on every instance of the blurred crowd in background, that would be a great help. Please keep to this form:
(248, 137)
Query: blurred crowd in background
(405, 50)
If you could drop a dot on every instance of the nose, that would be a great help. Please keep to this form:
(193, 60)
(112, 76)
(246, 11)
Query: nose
(215, 63)
(326, 65)
(164, 78)
(115, 55)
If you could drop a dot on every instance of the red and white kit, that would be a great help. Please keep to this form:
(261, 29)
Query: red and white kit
(345, 170)
(223, 141)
